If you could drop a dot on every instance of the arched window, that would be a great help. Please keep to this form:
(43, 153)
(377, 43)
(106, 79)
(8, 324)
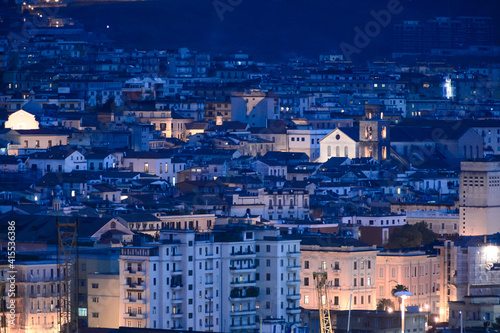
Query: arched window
(337, 151)
(346, 151)
(113, 225)
(329, 151)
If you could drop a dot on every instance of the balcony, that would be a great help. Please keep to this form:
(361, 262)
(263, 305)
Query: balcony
(293, 254)
(177, 286)
(293, 310)
(135, 286)
(293, 268)
(177, 257)
(178, 314)
(244, 293)
(243, 283)
(243, 326)
(243, 312)
(177, 301)
(293, 297)
(134, 272)
(242, 269)
(135, 301)
(177, 272)
(133, 315)
(243, 254)
(293, 282)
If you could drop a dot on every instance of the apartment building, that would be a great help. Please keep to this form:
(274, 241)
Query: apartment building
(103, 300)
(151, 224)
(223, 281)
(443, 222)
(254, 107)
(306, 141)
(157, 163)
(23, 142)
(37, 291)
(272, 204)
(419, 272)
(350, 266)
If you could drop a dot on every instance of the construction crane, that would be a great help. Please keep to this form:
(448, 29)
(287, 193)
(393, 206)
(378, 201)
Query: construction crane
(323, 303)
(67, 266)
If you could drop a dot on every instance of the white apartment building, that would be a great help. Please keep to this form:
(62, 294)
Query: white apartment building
(374, 220)
(197, 222)
(272, 204)
(58, 160)
(219, 282)
(306, 141)
(160, 164)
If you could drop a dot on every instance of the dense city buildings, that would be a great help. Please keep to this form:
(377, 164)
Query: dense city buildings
(183, 189)
(445, 36)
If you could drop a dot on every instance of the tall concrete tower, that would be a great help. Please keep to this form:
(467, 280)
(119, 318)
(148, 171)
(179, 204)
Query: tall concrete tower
(479, 197)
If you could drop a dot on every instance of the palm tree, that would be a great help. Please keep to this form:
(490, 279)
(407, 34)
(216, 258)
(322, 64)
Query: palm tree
(398, 287)
(384, 304)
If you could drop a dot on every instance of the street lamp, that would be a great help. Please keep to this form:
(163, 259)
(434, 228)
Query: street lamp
(404, 295)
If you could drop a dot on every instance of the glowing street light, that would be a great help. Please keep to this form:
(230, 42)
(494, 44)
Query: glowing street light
(404, 295)
(389, 310)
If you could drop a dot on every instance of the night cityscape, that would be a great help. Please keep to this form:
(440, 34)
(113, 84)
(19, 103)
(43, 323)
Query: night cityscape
(249, 166)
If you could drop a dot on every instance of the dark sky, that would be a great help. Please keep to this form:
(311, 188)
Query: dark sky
(266, 28)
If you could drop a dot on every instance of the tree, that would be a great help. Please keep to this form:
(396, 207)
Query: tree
(398, 287)
(406, 236)
(385, 303)
(496, 324)
(411, 236)
(428, 236)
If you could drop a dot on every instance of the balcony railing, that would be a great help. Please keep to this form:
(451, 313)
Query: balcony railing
(242, 253)
(243, 282)
(244, 292)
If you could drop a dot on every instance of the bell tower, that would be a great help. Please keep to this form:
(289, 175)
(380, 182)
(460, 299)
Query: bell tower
(374, 132)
